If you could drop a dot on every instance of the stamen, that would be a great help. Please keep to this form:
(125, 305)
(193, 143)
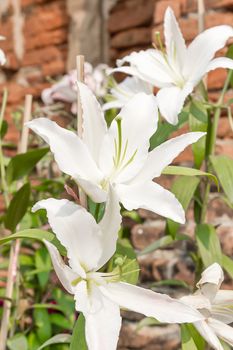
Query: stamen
(76, 281)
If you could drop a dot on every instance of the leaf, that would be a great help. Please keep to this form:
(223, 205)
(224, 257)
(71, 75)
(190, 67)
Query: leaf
(227, 264)
(184, 189)
(198, 111)
(18, 342)
(35, 234)
(187, 342)
(199, 146)
(18, 207)
(160, 243)
(165, 129)
(61, 321)
(208, 244)
(223, 167)
(78, 340)
(22, 164)
(172, 282)
(43, 262)
(57, 339)
(185, 171)
(43, 325)
(147, 321)
(4, 128)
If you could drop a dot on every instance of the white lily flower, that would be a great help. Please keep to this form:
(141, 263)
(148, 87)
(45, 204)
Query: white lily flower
(117, 156)
(177, 69)
(2, 54)
(124, 91)
(216, 306)
(99, 295)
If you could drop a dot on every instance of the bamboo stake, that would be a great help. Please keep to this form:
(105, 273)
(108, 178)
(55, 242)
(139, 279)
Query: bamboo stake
(201, 25)
(80, 77)
(15, 246)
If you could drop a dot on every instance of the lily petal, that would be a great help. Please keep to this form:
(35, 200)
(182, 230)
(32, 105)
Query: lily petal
(151, 196)
(208, 334)
(202, 50)
(70, 222)
(174, 40)
(137, 126)
(64, 272)
(103, 326)
(149, 303)
(94, 125)
(222, 330)
(70, 152)
(220, 62)
(164, 154)
(2, 57)
(176, 97)
(222, 307)
(211, 280)
(110, 226)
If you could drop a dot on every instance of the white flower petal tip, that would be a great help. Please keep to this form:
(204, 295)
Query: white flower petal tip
(213, 275)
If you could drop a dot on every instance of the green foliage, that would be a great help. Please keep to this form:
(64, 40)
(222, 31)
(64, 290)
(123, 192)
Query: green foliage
(18, 207)
(223, 167)
(208, 244)
(57, 339)
(18, 342)
(4, 128)
(198, 147)
(22, 164)
(43, 324)
(190, 338)
(43, 262)
(183, 188)
(78, 340)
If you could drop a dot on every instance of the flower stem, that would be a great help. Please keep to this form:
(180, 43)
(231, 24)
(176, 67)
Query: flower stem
(2, 165)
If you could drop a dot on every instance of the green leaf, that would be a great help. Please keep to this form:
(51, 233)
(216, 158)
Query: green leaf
(187, 342)
(18, 207)
(172, 282)
(165, 129)
(208, 244)
(198, 111)
(227, 264)
(229, 54)
(22, 164)
(147, 321)
(43, 325)
(43, 262)
(223, 167)
(160, 243)
(35, 234)
(33, 342)
(199, 146)
(181, 170)
(61, 321)
(57, 339)
(18, 342)
(78, 340)
(4, 129)
(183, 188)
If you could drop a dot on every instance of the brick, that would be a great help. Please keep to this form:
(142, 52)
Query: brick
(216, 78)
(137, 15)
(161, 6)
(132, 37)
(47, 38)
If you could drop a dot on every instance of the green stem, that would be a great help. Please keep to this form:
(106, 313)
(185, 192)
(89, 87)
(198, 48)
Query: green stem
(97, 210)
(2, 166)
(211, 140)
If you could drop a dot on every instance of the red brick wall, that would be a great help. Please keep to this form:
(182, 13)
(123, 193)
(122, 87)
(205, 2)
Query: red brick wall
(45, 32)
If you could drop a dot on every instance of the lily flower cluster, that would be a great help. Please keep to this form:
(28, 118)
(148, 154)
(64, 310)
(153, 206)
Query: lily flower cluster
(114, 165)
(66, 90)
(176, 69)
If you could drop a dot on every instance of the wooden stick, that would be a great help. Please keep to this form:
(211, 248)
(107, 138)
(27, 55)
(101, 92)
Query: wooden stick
(201, 15)
(80, 77)
(15, 246)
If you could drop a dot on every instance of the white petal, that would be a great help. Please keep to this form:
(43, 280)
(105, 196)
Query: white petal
(197, 301)
(222, 330)
(2, 57)
(150, 66)
(176, 97)
(70, 152)
(138, 125)
(174, 40)
(149, 303)
(103, 326)
(222, 308)
(164, 154)
(208, 334)
(211, 280)
(110, 226)
(202, 50)
(220, 62)
(64, 272)
(112, 104)
(151, 196)
(94, 125)
(77, 230)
